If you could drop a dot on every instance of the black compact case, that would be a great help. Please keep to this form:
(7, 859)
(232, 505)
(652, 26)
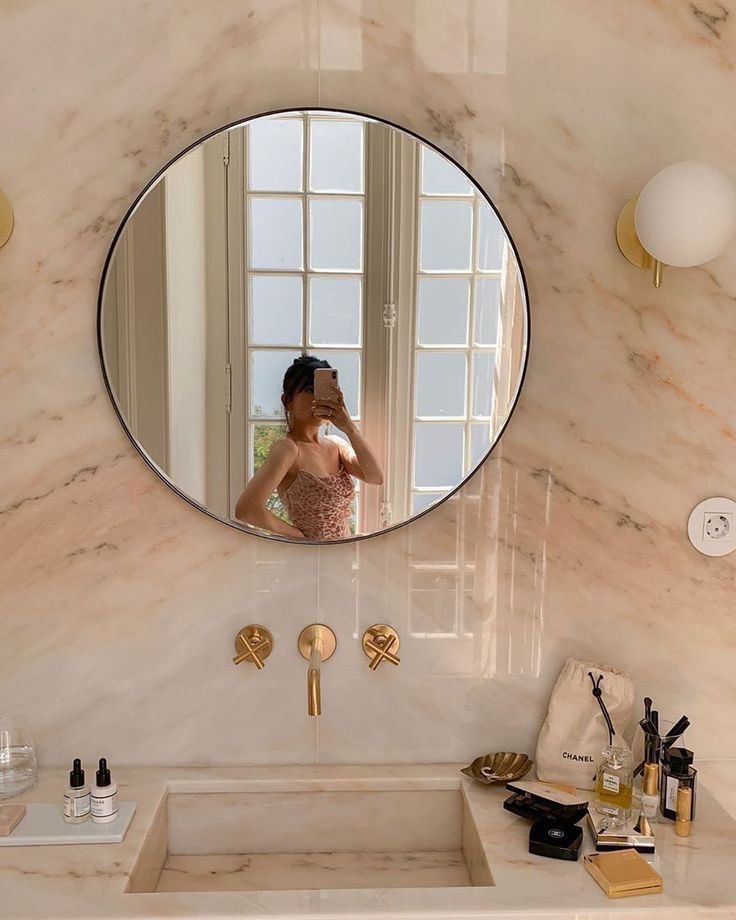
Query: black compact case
(555, 814)
(556, 839)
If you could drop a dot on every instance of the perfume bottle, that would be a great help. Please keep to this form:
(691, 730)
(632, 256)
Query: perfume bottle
(677, 771)
(614, 784)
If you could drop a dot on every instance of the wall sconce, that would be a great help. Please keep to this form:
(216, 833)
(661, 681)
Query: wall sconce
(684, 216)
(6, 220)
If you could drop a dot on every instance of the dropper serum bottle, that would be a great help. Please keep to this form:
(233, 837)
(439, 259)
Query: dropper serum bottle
(76, 796)
(104, 796)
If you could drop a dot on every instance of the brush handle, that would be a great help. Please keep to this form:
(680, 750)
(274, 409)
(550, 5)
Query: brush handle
(679, 728)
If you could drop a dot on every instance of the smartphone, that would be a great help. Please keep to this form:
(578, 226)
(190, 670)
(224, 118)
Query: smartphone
(325, 383)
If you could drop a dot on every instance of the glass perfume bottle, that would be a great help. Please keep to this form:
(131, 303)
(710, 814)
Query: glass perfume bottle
(614, 784)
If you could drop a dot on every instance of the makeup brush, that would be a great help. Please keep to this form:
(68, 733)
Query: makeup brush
(679, 728)
(650, 745)
(647, 739)
(649, 728)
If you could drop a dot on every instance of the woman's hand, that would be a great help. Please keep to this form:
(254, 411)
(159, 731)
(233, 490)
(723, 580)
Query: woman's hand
(334, 410)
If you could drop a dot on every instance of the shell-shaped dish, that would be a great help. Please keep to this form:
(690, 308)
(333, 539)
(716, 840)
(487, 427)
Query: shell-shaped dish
(501, 767)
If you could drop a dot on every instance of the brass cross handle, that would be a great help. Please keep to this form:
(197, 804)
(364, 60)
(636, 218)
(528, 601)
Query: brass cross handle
(380, 643)
(253, 643)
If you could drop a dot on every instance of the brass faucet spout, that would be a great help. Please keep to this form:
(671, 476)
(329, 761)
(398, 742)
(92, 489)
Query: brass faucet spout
(316, 644)
(314, 685)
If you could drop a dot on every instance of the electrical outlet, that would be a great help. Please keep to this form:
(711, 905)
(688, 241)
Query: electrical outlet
(717, 525)
(712, 528)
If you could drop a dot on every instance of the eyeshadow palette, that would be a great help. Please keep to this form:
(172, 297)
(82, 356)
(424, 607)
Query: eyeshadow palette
(534, 800)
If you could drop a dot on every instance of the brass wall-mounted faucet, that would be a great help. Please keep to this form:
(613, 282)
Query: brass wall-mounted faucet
(316, 643)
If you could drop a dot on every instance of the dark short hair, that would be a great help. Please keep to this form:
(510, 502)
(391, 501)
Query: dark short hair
(300, 376)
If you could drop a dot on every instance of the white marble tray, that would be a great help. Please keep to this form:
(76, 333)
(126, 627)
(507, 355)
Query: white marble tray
(44, 825)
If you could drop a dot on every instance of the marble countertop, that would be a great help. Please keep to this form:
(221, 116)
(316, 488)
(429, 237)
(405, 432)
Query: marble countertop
(95, 881)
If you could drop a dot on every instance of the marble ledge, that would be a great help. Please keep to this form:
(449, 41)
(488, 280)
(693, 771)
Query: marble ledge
(93, 881)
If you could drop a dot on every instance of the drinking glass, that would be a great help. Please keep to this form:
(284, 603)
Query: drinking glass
(18, 764)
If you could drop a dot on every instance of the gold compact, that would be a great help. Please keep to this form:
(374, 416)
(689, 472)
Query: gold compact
(624, 874)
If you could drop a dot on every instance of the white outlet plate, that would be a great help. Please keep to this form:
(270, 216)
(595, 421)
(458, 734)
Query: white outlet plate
(711, 526)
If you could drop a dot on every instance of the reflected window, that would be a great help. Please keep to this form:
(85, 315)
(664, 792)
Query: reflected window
(459, 282)
(304, 178)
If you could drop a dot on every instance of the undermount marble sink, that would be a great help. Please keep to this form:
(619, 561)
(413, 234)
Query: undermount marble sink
(295, 838)
(400, 842)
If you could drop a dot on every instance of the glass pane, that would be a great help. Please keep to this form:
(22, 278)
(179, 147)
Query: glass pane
(348, 366)
(422, 500)
(484, 363)
(446, 231)
(442, 177)
(275, 155)
(438, 454)
(275, 233)
(266, 381)
(276, 310)
(334, 310)
(336, 234)
(336, 163)
(443, 311)
(264, 437)
(491, 238)
(480, 442)
(441, 384)
(487, 309)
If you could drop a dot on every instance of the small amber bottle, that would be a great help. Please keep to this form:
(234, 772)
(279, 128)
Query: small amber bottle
(614, 784)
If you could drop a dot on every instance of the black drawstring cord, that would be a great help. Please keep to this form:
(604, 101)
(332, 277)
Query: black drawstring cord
(598, 694)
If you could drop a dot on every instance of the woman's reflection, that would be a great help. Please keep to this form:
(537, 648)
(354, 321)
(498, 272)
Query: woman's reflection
(311, 473)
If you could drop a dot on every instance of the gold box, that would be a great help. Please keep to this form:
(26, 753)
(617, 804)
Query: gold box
(623, 874)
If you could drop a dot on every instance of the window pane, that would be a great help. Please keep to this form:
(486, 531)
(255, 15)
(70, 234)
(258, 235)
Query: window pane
(275, 154)
(442, 177)
(336, 234)
(422, 500)
(336, 163)
(348, 366)
(334, 310)
(275, 233)
(264, 437)
(480, 442)
(443, 311)
(438, 454)
(487, 308)
(276, 310)
(266, 381)
(440, 384)
(446, 231)
(484, 363)
(491, 238)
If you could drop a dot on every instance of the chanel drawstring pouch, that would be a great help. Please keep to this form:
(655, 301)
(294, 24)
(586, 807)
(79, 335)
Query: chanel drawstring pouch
(590, 705)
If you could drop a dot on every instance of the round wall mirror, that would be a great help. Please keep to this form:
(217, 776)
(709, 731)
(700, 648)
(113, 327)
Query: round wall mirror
(313, 325)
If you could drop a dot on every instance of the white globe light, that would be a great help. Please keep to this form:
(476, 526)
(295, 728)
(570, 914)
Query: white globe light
(686, 213)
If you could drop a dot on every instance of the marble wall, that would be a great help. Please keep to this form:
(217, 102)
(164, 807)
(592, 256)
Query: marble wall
(120, 602)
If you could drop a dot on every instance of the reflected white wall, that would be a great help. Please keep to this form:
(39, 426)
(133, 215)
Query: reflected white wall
(186, 322)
